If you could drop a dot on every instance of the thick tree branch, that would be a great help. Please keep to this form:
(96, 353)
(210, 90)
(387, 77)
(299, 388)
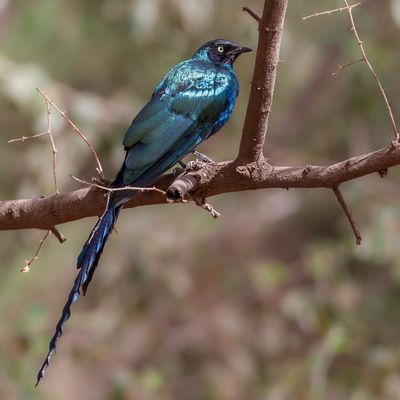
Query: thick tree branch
(262, 89)
(250, 171)
(212, 179)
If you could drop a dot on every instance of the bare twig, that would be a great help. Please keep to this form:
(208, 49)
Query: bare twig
(23, 138)
(29, 263)
(381, 89)
(329, 12)
(77, 130)
(342, 67)
(119, 189)
(349, 216)
(52, 142)
(61, 238)
(251, 13)
(349, 8)
(53, 146)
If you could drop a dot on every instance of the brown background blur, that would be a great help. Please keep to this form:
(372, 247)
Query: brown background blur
(273, 300)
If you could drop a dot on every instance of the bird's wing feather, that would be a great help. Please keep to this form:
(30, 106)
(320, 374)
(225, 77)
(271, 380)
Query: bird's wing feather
(190, 98)
(145, 121)
(182, 147)
(159, 140)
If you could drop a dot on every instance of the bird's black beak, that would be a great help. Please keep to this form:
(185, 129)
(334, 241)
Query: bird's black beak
(242, 49)
(235, 52)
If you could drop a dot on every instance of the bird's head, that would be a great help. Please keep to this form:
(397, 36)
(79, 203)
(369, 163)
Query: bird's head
(220, 51)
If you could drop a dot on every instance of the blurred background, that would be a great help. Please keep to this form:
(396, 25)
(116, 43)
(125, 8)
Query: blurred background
(273, 300)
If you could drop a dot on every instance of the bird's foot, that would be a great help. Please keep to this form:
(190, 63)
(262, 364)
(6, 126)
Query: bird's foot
(202, 157)
(179, 170)
(195, 165)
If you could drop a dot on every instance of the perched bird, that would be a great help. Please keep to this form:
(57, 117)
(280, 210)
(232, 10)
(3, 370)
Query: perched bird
(192, 102)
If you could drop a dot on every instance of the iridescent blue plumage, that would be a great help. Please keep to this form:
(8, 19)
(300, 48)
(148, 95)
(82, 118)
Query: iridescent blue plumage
(192, 102)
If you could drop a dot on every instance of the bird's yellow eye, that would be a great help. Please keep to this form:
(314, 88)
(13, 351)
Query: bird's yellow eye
(220, 49)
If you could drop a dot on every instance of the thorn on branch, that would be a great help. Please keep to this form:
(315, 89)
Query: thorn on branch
(252, 14)
(394, 144)
(348, 164)
(349, 216)
(383, 172)
(307, 169)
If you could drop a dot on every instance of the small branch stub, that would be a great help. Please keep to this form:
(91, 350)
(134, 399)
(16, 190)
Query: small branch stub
(252, 14)
(180, 188)
(59, 235)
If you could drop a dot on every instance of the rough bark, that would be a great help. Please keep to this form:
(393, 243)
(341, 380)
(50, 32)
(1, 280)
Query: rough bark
(250, 171)
(211, 180)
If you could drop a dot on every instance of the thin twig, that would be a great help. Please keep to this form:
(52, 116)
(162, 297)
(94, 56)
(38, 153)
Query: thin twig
(341, 67)
(76, 129)
(108, 189)
(61, 238)
(53, 146)
(23, 138)
(52, 142)
(382, 90)
(28, 263)
(329, 12)
(349, 216)
(252, 13)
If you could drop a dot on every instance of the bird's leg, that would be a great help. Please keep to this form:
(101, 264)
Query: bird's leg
(202, 157)
(178, 170)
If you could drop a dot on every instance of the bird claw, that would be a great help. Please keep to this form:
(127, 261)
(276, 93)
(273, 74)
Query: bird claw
(202, 157)
(178, 170)
(195, 165)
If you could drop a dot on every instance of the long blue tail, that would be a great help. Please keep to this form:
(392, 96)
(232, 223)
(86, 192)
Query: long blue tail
(87, 263)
